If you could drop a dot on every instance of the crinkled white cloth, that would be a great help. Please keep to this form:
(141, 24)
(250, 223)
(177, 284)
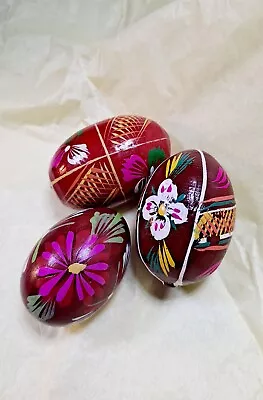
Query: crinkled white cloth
(196, 68)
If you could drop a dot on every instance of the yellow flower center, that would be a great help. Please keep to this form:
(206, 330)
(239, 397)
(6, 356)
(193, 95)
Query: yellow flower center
(162, 210)
(76, 268)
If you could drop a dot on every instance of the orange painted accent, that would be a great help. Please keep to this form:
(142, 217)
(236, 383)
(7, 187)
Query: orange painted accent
(213, 248)
(219, 199)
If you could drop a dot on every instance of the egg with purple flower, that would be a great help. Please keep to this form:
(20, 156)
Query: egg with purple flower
(76, 266)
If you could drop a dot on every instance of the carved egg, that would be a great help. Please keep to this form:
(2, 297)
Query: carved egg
(107, 162)
(76, 266)
(185, 218)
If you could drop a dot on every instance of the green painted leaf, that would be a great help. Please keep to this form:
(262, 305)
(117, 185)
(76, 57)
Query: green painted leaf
(218, 204)
(180, 198)
(34, 256)
(80, 132)
(153, 260)
(148, 257)
(117, 239)
(202, 245)
(115, 220)
(41, 310)
(116, 232)
(224, 241)
(32, 301)
(155, 156)
(109, 226)
(103, 223)
(183, 163)
(95, 221)
(153, 191)
(173, 224)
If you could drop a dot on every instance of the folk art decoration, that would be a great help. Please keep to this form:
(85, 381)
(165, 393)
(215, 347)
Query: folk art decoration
(185, 218)
(108, 162)
(76, 266)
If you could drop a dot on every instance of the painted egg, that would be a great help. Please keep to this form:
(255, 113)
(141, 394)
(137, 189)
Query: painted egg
(186, 218)
(107, 162)
(74, 269)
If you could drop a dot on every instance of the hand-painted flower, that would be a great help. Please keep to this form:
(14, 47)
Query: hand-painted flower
(134, 167)
(163, 209)
(63, 269)
(76, 154)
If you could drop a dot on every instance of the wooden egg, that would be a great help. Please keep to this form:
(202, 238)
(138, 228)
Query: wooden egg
(185, 218)
(107, 162)
(75, 268)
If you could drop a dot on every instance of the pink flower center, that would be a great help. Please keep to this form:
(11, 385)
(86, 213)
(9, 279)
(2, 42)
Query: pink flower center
(76, 268)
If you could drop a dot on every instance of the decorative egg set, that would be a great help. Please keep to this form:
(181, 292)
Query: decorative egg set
(185, 218)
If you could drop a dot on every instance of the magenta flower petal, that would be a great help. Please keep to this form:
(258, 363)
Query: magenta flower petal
(79, 288)
(134, 167)
(87, 286)
(60, 279)
(52, 259)
(178, 212)
(95, 277)
(97, 249)
(49, 285)
(87, 253)
(100, 266)
(45, 271)
(57, 158)
(90, 241)
(58, 250)
(83, 253)
(46, 255)
(220, 175)
(64, 288)
(69, 244)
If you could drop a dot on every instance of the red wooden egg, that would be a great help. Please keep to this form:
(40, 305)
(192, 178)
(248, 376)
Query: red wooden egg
(74, 269)
(185, 218)
(106, 162)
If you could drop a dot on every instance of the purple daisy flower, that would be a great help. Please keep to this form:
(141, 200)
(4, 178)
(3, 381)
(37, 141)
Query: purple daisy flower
(64, 269)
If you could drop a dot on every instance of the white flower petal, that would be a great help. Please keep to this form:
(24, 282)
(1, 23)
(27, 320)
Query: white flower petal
(82, 147)
(160, 228)
(167, 191)
(77, 154)
(150, 207)
(178, 212)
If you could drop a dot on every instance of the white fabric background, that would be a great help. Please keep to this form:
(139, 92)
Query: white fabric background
(195, 66)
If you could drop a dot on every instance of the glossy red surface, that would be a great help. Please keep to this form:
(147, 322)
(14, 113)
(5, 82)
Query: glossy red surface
(107, 162)
(75, 268)
(186, 218)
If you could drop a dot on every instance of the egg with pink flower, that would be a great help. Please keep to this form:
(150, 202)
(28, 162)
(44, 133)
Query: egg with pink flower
(186, 218)
(74, 269)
